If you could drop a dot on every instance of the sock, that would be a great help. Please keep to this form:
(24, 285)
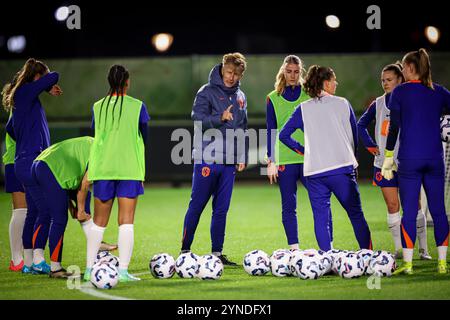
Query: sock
(407, 254)
(422, 230)
(442, 252)
(38, 256)
(55, 266)
(331, 244)
(94, 239)
(15, 234)
(28, 257)
(394, 222)
(126, 243)
(216, 253)
(294, 246)
(86, 226)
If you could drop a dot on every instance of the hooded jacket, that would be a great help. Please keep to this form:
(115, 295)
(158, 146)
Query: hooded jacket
(214, 140)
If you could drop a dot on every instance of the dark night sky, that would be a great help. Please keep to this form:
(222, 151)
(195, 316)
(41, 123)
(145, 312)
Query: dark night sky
(253, 28)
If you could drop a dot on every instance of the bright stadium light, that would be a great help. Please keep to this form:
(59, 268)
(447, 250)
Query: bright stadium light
(162, 41)
(433, 34)
(16, 44)
(332, 21)
(62, 13)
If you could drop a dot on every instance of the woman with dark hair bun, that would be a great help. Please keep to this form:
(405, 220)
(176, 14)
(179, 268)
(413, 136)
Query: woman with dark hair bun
(378, 111)
(329, 127)
(416, 107)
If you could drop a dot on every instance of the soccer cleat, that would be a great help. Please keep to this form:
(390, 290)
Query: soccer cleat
(225, 261)
(87, 274)
(398, 254)
(405, 269)
(107, 247)
(17, 268)
(124, 276)
(424, 255)
(60, 274)
(41, 268)
(442, 267)
(28, 270)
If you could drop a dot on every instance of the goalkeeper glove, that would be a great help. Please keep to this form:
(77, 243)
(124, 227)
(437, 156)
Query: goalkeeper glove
(389, 165)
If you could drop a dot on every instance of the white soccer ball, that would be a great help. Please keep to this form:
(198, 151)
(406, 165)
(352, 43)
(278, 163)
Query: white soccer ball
(382, 264)
(256, 263)
(352, 266)
(186, 265)
(209, 267)
(336, 255)
(326, 262)
(104, 276)
(366, 255)
(107, 258)
(280, 263)
(306, 265)
(162, 266)
(445, 128)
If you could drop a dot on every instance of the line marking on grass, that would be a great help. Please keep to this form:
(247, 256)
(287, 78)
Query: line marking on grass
(89, 289)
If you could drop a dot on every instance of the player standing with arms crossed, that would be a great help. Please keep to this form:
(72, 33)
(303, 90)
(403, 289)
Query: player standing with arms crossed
(416, 107)
(283, 163)
(220, 105)
(329, 126)
(378, 111)
(120, 123)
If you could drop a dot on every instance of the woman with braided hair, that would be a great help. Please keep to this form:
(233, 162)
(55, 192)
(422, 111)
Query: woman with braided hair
(120, 124)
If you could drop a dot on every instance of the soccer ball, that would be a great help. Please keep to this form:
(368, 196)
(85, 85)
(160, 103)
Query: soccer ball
(352, 266)
(108, 258)
(295, 255)
(280, 263)
(256, 263)
(104, 276)
(382, 264)
(336, 255)
(305, 265)
(326, 262)
(162, 266)
(186, 265)
(445, 128)
(209, 267)
(366, 255)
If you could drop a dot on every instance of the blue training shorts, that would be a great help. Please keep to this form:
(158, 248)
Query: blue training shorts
(109, 189)
(380, 181)
(12, 184)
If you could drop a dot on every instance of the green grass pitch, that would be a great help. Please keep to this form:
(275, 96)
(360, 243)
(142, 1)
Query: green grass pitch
(254, 222)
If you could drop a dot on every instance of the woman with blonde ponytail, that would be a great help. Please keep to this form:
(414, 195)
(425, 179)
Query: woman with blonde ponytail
(416, 107)
(283, 163)
(28, 128)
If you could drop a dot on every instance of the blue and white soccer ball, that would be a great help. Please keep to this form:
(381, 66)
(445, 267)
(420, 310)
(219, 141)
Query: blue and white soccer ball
(306, 265)
(366, 255)
(280, 263)
(104, 276)
(326, 262)
(105, 256)
(186, 265)
(336, 255)
(256, 263)
(445, 128)
(351, 266)
(209, 267)
(382, 264)
(162, 266)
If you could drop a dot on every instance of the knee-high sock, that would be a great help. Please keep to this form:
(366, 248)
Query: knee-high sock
(95, 237)
(126, 243)
(86, 226)
(422, 230)
(394, 221)
(442, 252)
(15, 234)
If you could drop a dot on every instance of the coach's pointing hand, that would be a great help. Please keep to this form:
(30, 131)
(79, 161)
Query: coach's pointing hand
(227, 115)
